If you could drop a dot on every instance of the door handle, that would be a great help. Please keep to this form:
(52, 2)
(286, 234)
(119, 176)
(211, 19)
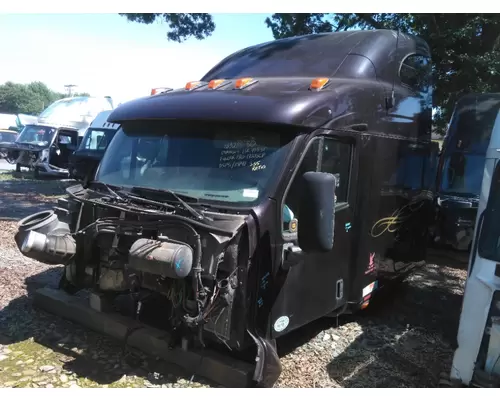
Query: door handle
(292, 254)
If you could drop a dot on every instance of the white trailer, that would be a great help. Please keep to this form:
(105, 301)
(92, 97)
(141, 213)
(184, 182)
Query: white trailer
(477, 359)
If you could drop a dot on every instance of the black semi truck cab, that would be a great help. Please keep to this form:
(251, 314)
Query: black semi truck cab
(86, 158)
(291, 182)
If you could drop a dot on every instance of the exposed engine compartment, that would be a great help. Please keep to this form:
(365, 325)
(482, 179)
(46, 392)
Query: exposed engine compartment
(134, 253)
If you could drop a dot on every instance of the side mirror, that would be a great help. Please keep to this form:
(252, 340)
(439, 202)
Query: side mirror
(88, 172)
(317, 212)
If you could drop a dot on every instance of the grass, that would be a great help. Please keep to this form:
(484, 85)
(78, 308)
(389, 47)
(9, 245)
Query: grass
(46, 188)
(23, 366)
(17, 176)
(26, 177)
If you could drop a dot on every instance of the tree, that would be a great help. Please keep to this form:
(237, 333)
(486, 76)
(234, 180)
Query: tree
(181, 26)
(16, 98)
(465, 47)
(32, 99)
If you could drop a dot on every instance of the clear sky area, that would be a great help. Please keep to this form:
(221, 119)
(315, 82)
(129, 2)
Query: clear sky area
(105, 54)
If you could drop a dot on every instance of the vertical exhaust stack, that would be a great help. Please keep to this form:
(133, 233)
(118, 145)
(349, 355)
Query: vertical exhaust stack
(110, 100)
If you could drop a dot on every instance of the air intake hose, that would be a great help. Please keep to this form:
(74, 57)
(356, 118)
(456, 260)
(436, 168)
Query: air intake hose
(50, 248)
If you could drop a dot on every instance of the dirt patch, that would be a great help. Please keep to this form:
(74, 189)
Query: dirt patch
(402, 340)
(21, 195)
(405, 339)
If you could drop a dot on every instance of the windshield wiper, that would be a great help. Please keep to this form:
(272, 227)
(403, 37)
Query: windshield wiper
(185, 205)
(121, 194)
(107, 187)
(126, 195)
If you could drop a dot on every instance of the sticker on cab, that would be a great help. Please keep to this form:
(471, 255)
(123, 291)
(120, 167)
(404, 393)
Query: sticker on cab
(370, 288)
(251, 193)
(281, 323)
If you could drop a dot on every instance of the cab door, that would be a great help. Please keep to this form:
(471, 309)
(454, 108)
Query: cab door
(315, 283)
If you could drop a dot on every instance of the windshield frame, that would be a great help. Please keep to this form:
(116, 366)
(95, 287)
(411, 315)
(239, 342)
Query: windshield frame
(289, 137)
(45, 127)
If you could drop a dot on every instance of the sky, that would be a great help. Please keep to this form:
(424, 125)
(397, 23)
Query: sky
(106, 55)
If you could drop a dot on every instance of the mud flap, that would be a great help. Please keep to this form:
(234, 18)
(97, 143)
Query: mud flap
(267, 363)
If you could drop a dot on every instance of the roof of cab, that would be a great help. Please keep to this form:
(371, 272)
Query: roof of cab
(323, 54)
(101, 121)
(299, 107)
(282, 98)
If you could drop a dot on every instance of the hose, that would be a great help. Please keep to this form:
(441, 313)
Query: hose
(49, 249)
(177, 218)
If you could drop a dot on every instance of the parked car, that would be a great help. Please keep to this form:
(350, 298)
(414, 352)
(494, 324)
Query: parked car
(7, 136)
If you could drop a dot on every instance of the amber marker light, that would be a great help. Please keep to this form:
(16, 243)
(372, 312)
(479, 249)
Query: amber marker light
(193, 85)
(215, 83)
(318, 83)
(244, 82)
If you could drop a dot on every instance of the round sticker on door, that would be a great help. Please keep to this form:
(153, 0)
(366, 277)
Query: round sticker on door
(281, 324)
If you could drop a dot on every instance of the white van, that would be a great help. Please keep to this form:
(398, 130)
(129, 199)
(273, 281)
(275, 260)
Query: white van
(477, 358)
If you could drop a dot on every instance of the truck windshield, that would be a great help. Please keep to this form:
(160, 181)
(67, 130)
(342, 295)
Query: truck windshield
(467, 139)
(472, 123)
(462, 174)
(35, 134)
(218, 163)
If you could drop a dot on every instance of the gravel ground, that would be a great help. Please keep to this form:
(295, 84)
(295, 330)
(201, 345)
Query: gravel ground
(403, 340)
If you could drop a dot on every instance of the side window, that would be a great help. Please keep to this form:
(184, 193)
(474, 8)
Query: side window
(291, 205)
(415, 72)
(336, 159)
(95, 140)
(489, 239)
(325, 155)
(408, 170)
(64, 139)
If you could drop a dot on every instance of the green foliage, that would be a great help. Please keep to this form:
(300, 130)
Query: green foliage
(32, 99)
(181, 26)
